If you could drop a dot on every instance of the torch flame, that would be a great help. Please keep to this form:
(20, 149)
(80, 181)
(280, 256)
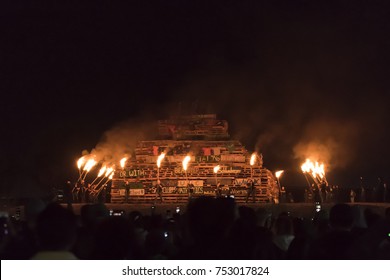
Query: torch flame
(111, 176)
(185, 162)
(81, 162)
(315, 168)
(122, 162)
(253, 159)
(279, 173)
(216, 169)
(109, 171)
(90, 163)
(159, 159)
(102, 170)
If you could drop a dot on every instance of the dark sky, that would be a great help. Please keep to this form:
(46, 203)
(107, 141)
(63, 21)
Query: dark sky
(291, 77)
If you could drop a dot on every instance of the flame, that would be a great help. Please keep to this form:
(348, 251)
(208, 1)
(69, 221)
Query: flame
(81, 162)
(109, 171)
(253, 159)
(315, 168)
(111, 176)
(216, 169)
(102, 170)
(90, 163)
(122, 162)
(279, 173)
(159, 159)
(186, 160)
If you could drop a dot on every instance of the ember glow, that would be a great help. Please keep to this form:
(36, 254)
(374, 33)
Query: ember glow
(122, 162)
(253, 159)
(279, 173)
(216, 169)
(160, 158)
(185, 162)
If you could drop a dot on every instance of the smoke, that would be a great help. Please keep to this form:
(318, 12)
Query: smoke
(328, 141)
(122, 139)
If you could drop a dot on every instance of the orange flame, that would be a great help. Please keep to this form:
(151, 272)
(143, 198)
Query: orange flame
(279, 173)
(186, 160)
(216, 169)
(90, 164)
(159, 159)
(315, 168)
(109, 171)
(81, 162)
(102, 170)
(111, 176)
(122, 162)
(253, 159)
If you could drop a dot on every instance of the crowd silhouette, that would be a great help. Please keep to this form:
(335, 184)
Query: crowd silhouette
(209, 228)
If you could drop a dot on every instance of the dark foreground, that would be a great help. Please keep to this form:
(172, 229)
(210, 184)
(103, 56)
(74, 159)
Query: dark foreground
(205, 228)
(305, 210)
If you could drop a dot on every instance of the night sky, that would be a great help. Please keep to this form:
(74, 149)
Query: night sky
(292, 78)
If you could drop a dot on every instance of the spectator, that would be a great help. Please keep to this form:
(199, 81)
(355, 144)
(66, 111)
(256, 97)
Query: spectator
(56, 231)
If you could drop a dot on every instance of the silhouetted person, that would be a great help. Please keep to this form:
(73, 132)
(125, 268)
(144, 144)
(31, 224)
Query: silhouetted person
(127, 191)
(82, 191)
(316, 193)
(251, 191)
(283, 198)
(67, 191)
(284, 234)
(218, 190)
(352, 196)
(190, 191)
(335, 244)
(209, 222)
(381, 191)
(113, 239)
(56, 231)
(75, 193)
(159, 189)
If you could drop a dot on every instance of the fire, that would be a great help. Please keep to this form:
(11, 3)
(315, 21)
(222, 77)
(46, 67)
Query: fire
(314, 168)
(102, 170)
(253, 159)
(160, 158)
(90, 164)
(279, 173)
(185, 162)
(122, 162)
(109, 171)
(111, 176)
(216, 169)
(81, 162)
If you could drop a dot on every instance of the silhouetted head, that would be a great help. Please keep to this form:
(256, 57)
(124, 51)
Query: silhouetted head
(56, 228)
(341, 217)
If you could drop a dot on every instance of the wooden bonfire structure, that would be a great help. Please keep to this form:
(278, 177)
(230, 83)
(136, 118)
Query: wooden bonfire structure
(215, 159)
